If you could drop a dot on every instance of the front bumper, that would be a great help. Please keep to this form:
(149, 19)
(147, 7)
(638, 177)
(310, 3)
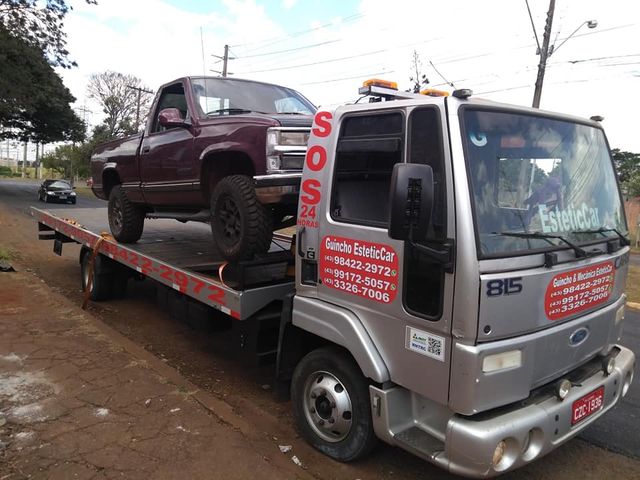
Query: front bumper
(529, 429)
(277, 187)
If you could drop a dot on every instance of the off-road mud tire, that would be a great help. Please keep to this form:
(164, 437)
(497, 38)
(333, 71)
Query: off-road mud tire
(241, 225)
(126, 219)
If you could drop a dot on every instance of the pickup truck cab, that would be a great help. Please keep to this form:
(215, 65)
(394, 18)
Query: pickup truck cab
(223, 150)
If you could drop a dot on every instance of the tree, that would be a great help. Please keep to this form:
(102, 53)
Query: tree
(628, 167)
(61, 160)
(124, 100)
(417, 78)
(40, 25)
(34, 103)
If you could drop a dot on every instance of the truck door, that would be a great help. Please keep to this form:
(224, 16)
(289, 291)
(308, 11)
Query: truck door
(167, 167)
(402, 297)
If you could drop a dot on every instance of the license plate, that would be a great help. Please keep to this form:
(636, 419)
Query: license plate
(63, 197)
(587, 405)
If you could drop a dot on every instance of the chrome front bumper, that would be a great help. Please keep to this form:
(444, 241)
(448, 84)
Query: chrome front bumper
(277, 187)
(465, 445)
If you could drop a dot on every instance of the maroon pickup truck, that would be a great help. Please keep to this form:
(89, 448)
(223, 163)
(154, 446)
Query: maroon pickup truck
(219, 150)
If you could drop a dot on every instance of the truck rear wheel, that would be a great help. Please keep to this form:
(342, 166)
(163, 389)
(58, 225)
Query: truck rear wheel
(101, 282)
(126, 219)
(240, 224)
(331, 404)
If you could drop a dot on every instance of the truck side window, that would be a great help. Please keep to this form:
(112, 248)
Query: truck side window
(171, 97)
(425, 146)
(368, 148)
(424, 279)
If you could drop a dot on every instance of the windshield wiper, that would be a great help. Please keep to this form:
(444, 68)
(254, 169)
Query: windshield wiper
(231, 111)
(293, 113)
(580, 252)
(623, 240)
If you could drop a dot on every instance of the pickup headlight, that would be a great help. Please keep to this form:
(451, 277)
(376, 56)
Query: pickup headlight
(286, 147)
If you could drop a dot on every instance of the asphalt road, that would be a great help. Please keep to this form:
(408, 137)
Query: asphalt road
(617, 431)
(24, 193)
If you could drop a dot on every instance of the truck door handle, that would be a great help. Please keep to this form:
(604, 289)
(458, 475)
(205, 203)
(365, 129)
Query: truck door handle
(145, 149)
(299, 242)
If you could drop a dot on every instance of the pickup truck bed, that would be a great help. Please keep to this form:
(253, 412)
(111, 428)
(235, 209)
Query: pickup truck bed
(180, 256)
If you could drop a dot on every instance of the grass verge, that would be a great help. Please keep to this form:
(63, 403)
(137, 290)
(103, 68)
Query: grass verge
(5, 254)
(633, 284)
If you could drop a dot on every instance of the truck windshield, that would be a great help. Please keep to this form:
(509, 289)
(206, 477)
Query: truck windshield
(551, 180)
(226, 96)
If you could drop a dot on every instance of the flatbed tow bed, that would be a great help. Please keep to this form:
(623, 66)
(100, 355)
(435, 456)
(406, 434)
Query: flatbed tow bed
(180, 256)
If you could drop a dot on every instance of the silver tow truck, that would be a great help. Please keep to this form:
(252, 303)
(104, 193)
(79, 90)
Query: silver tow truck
(455, 286)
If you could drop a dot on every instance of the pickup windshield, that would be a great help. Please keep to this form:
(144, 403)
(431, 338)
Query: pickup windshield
(227, 96)
(551, 181)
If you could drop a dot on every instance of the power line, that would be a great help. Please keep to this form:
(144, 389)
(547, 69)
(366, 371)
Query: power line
(290, 49)
(316, 63)
(348, 78)
(535, 33)
(366, 54)
(595, 59)
(273, 40)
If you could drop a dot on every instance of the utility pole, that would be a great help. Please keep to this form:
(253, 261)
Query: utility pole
(544, 54)
(139, 90)
(24, 159)
(38, 166)
(84, 111)
(225, 61)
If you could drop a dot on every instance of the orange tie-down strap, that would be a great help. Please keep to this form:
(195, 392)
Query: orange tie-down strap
(94, 253)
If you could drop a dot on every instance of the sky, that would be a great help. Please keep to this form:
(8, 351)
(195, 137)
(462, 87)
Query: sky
(326, 48)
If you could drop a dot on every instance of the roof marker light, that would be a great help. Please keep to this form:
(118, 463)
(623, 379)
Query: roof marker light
(432, 92)
(376, 82)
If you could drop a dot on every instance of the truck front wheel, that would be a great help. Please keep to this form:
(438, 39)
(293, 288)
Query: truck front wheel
(126, 219)
(240, 224)
(331, 404)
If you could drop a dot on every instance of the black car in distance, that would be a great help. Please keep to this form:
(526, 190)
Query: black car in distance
(56, 191)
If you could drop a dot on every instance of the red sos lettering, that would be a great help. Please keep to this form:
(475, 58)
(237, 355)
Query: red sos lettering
(323, 124)
(315, 160)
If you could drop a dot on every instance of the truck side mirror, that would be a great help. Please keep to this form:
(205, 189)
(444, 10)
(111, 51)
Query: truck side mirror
(171, 118)
(410, 201)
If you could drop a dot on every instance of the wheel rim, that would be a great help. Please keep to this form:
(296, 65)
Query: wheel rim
(328, 407)
(116, 214)
(228, 220)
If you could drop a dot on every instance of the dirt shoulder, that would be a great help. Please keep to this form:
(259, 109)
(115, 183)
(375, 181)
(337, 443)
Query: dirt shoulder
(78, 402)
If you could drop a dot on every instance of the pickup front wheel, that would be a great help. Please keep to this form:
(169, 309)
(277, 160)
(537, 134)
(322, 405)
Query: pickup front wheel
(240, 224)
(126, 219)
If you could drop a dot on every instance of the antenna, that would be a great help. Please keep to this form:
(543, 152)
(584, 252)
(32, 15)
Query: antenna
(441, 76)
(204, 73)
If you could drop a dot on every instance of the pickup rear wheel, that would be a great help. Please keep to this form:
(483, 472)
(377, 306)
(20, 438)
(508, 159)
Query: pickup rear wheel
(240, 224)
(126, 219)
(331, 403)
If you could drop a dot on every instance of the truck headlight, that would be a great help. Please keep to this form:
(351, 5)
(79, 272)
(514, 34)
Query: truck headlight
(286, 147)
(502, 361)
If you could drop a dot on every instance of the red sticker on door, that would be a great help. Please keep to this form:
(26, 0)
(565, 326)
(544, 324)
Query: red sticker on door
(577, 290)
(368, 270)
